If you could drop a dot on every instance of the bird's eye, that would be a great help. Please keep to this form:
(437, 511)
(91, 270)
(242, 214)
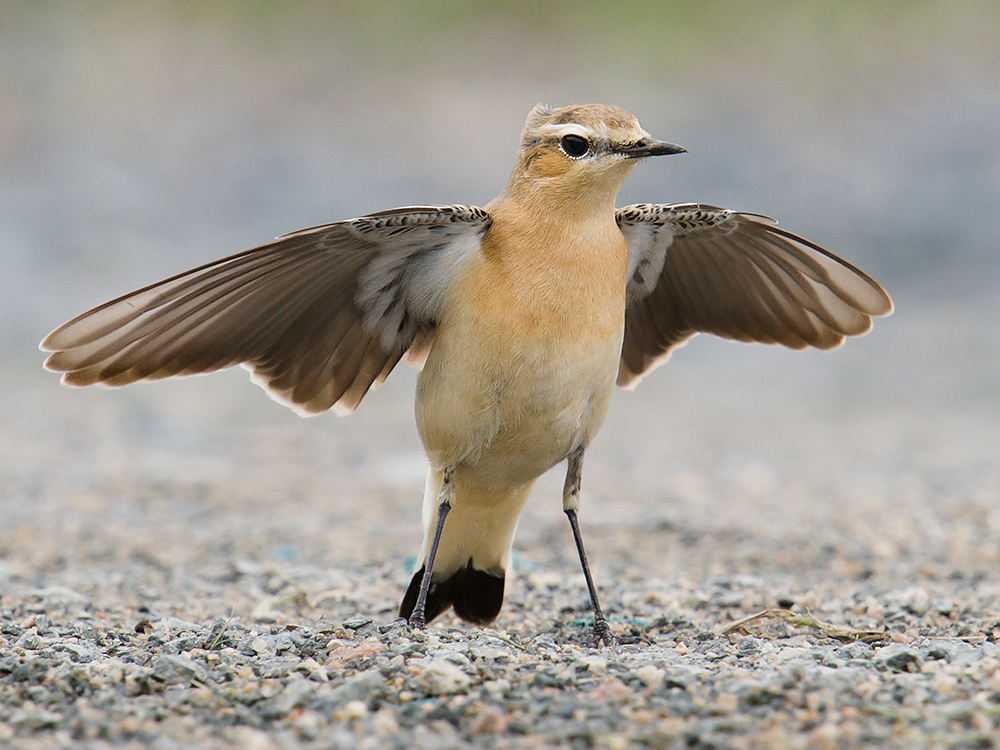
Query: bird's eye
(574, 146)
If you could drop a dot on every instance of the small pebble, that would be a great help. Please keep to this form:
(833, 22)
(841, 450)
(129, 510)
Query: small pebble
(649, 674)
(354, 623)
(440, 677)
(262, 647)
(356, 710)
(384, 722)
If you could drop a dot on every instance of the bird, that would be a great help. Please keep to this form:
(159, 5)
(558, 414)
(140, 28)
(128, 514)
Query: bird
(522, 316)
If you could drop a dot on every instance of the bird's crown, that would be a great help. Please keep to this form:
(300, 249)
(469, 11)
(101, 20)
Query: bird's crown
(603, 127)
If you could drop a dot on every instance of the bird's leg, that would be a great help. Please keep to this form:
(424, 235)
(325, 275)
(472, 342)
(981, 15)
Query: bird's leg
(418, 618)
(571, 505)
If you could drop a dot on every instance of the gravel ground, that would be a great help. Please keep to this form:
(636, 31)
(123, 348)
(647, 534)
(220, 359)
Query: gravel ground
(189, 565)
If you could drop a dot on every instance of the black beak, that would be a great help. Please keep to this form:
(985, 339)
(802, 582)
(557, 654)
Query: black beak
(650, 147)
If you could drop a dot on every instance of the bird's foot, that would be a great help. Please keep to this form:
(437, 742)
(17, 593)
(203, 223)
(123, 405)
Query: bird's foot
(416, 622)
(602, 634)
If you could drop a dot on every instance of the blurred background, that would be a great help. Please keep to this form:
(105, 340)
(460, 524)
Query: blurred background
(140, 139)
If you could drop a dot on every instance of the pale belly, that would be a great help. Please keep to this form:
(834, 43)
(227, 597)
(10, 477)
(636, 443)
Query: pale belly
(508, 410)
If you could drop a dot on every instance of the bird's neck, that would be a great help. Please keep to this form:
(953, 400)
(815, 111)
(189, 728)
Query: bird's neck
(543, 201)
(544, 240)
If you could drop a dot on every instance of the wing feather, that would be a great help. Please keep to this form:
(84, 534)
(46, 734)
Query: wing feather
(318, 316)
(698, 268)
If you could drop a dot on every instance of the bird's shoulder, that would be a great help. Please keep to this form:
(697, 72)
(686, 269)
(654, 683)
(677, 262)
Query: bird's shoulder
(405, 222)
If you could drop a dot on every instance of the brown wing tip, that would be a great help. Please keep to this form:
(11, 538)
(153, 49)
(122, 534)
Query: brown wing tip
(47, 344)
(80, 378)
(627, 379)
(888, 308)
(57, 339)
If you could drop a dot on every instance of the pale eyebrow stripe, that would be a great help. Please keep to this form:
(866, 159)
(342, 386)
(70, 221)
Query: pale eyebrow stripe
(572, 128)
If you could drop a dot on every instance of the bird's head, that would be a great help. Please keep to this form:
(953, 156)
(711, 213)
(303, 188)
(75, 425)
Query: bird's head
(583, 152)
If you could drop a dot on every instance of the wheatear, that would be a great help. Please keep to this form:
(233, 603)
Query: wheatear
(523, 315)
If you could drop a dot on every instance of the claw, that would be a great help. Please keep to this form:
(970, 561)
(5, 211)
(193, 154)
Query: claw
(417, 623)
(602, 634)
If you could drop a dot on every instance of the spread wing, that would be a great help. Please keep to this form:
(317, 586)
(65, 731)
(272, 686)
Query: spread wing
(696, 268)
(318, 315)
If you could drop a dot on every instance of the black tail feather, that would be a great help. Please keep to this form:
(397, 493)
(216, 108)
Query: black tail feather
(477, 596)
